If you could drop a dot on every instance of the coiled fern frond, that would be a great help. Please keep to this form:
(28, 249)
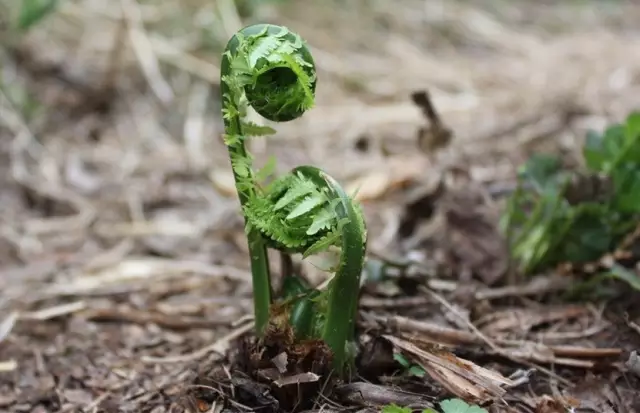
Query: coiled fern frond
(305, 211)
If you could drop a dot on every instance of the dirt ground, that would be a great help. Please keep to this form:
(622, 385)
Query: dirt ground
(123, 265)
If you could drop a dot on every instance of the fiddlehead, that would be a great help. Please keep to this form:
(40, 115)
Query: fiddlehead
(270, 69)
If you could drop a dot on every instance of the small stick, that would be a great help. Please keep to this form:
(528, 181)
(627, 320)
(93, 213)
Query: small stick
(437, 135)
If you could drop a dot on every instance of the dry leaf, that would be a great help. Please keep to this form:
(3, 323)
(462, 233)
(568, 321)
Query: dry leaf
(396, 172)
(8, 365)
(371, 186)
(461, 377)
(547, 404)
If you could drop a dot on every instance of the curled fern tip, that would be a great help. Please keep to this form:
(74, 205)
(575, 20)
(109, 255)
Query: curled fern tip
(278, 74)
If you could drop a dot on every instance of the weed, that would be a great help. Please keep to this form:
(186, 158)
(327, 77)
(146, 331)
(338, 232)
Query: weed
(557, 215)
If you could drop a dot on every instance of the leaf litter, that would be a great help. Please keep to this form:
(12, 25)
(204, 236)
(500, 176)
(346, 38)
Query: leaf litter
(124, 285)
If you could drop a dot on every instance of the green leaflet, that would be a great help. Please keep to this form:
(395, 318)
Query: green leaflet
(262, 48)
(267, 170)
(297, 187)
(328, 240)
(322, 220)
(307, 206)
(252, 129)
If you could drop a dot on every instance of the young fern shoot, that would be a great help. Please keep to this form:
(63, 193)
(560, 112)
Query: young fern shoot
(305, 211)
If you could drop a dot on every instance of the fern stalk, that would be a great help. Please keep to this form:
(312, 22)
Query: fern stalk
(305, 211)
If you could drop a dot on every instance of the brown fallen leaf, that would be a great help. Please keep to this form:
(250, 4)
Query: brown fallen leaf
(394, 173)
(548, 404)
(371, 186)
(461, 377)
(8, 365)
(599, 394)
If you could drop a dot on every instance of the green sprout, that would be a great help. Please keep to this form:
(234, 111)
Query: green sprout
(305, 211)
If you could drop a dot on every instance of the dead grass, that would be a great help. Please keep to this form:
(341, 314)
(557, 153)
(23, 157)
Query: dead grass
(124, 269)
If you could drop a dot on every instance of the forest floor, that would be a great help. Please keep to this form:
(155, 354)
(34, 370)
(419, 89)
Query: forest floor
(124, 273)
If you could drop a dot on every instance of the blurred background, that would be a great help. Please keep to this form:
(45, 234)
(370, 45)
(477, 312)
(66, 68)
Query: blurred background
(111, 129)
(116, 192)
(111, 125)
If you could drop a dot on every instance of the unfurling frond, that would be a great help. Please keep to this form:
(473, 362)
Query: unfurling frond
(294, 214)
(271, 70)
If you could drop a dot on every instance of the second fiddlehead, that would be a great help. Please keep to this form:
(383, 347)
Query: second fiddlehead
(305, 211)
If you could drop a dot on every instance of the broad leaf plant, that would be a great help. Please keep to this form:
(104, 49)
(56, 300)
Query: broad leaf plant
(560, 216)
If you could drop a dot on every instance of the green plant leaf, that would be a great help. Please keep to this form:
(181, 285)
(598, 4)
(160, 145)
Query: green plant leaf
(308, 204)
(593, 152)
(400, 358)
(590, 234)
(632, 126)
(417, 371)
(322, 244)
(557, 216)
(626, 181)
(394, 408)
(602, 151)
(253, 129)
(541, 171)
(623, 274)
(613, 147)
(33, 11)
(296, 190)
(412, 369)
(459, 406)
(322, 220)
(267, 170)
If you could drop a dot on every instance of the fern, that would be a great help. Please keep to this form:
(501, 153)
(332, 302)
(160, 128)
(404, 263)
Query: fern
(305, 211)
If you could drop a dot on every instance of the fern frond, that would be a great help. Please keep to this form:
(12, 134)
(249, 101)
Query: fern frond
(270, 69)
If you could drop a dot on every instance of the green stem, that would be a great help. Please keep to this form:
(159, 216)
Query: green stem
(260, 273)
(345, 286)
